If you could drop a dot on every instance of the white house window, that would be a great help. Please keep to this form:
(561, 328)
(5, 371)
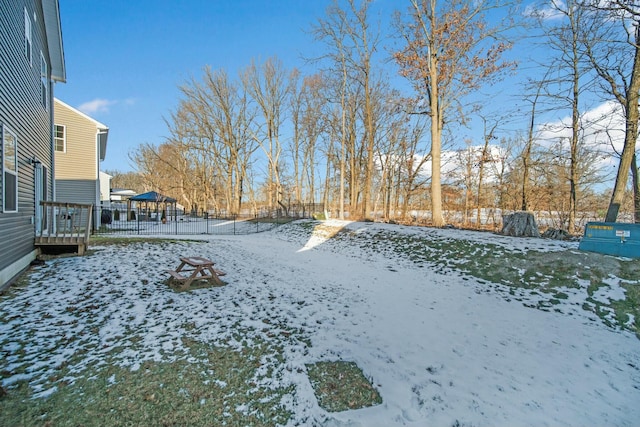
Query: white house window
(44, 81)
(9, 171)
(60, 138)
(27, 37)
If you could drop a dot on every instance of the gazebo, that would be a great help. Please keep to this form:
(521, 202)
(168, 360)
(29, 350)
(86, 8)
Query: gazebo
(152, 198)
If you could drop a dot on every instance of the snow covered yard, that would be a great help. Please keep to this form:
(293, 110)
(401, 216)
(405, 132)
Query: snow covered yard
(465, 337)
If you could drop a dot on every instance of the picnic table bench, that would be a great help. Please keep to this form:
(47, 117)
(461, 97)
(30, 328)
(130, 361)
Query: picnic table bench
(199, 268)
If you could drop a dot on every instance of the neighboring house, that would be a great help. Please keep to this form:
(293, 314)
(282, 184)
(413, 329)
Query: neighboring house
(119, 201)
(121, 194)
(31, 60)
(80, 144)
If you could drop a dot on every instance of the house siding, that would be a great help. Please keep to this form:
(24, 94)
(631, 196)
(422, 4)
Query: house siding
(22, 112)
(76, 191)
(79, 161)
(79, 191)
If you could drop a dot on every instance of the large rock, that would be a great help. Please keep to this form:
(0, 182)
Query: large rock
(520, 224)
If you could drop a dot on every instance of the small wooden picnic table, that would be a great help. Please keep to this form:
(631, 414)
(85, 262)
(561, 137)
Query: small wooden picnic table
(200, 269)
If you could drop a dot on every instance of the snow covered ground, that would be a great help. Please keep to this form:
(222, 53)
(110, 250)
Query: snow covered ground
(441, 349)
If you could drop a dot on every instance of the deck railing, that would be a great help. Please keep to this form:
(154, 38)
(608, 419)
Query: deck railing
(64, 224)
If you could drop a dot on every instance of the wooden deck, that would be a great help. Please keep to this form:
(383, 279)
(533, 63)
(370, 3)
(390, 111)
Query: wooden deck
(65, 225)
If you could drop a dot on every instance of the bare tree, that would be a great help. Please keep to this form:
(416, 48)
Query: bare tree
(333, 32)
(412, 157)
(464, 177)
(448, 53)
(501, 168)
(268, 87)
(295, 145)
(485, 158)
(307, 104)
(613, 47)
(570, 66)
(161, 168)
(574, 60)
(211, 134)
(126, 180)
(391, 129)
(352, 44)
(365, 44)
(525, 155)
(313, 127)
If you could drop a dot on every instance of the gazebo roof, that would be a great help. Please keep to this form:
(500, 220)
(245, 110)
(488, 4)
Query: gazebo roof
(152, 196)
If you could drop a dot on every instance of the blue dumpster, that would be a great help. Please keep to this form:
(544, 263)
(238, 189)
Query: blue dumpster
(612, 238)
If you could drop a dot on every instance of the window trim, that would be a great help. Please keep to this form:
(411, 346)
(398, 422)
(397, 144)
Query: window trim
(56, 138)
(28, 37)
(5, 130)
(45, 183)
(44, 80)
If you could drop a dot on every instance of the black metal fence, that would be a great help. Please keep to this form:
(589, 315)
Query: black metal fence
(143, 221)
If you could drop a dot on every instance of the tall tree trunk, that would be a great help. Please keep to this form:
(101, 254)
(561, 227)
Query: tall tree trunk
(354, 171)
(327, 181)
(575, 123)
(343, 139)
(436, 131)
(483, 159)
(630, 136)
(445, 58)
(370, 141)
(312, 177)
(526, 156)
(488, 136)
(468, 184)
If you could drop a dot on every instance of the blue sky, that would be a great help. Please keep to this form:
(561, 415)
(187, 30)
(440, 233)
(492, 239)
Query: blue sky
(126, 58)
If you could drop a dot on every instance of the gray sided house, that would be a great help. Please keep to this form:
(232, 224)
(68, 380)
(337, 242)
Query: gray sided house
(31, 61)
(80, 144)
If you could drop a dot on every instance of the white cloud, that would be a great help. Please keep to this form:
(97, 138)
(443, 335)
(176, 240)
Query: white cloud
(98, 105)
(455, 164)
(603, 131)
(602, 127)
(547, 11)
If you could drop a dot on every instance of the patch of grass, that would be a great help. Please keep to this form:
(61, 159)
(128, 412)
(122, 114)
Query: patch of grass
(629, 270)
(630, 305)
(546, 272)
(237, 381)
(340, 386)
(217, 385)
(546, 275)
(561, 296)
